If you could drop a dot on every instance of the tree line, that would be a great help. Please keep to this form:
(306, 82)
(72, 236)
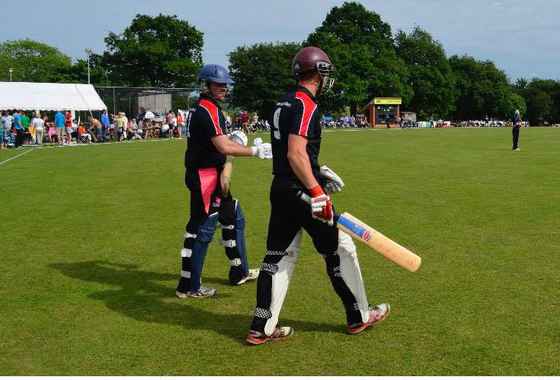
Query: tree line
(165, 51)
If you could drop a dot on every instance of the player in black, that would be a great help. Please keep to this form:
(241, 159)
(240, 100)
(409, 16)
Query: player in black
(515, 130)
(210, 204)
(296, 142)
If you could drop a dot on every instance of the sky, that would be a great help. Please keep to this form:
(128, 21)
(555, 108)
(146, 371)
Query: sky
(521, 36)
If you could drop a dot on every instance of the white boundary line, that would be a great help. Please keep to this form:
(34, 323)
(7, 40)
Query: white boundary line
(14, 157)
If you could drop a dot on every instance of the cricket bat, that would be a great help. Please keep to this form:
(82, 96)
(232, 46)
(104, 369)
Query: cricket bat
(374, 239)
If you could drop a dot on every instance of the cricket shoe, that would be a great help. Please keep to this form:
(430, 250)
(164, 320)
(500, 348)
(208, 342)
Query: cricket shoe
(256, 338)
(252, 275)
(203, 292)
(376, 314)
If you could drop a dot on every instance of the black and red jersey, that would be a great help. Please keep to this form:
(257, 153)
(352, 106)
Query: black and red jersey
(297, 113)
(206, 122)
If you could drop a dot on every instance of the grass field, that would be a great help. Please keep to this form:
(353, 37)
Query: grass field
(90, 240)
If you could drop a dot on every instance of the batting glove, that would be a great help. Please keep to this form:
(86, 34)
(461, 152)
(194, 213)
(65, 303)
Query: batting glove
(333, 183)
(262, 150)
(239, 137)
(321, 205)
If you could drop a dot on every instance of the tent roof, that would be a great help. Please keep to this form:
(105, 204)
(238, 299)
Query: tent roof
(49, 97)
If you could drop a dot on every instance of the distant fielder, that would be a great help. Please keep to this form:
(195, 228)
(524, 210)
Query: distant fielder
(515, 130)
(296, 141)
(210, 201)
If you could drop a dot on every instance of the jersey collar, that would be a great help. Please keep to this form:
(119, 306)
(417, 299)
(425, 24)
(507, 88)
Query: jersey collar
(211, 99)
(305, 90)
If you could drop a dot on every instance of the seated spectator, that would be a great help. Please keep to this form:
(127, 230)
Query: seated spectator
(83, 135)
(51, 131)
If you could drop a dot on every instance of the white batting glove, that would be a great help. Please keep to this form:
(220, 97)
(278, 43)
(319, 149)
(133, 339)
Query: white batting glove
(262, 150)
(333, 183)
(239, 137)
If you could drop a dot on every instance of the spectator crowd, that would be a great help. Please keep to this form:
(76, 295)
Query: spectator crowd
(355, 121)
(19, 128)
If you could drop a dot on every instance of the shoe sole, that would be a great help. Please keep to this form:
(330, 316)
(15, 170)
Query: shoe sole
(367, 326)
(185, 296)
(267, 340)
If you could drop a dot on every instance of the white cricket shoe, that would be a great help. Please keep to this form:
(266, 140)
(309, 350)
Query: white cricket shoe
(256, 338)
(203, 292)
(376, 314)
(252, 275)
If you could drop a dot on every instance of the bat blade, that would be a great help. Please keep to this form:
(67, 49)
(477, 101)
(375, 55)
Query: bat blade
(391, 250)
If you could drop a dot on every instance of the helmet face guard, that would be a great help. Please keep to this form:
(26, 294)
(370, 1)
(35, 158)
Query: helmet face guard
(326, 72)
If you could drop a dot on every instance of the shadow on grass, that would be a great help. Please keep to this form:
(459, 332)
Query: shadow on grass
(139, 296)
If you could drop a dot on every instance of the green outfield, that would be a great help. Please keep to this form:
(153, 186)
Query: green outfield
(90, 242)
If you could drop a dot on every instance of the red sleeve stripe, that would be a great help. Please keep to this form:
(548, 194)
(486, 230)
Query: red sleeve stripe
(309, 108)
(213, 112)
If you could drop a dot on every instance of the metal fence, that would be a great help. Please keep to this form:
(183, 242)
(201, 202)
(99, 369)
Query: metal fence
(156, 99)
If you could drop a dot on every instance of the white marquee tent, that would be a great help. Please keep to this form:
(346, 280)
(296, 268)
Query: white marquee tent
(49, 97)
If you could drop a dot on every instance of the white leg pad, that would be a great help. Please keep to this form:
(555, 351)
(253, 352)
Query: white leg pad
(351, 273)
(281, 281)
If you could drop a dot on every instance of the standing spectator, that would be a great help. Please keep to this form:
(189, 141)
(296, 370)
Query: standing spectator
(68, 124)
(5, 127)
(172, 122)
(38, 126)
(96, 127)
(59, 123)
(19, 129)
(245, 121)
(180, 122)
(121, 124)
(106, 124)
(26, 122)
(113, 130)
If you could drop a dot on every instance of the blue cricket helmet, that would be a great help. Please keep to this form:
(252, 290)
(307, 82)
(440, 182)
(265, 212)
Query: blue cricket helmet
(215, 74)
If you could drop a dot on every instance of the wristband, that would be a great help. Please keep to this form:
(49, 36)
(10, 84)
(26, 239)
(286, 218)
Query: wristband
(254, 150)
(316, 191)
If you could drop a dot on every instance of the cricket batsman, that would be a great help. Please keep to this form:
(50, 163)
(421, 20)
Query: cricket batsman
(296, 142)
(210, 204)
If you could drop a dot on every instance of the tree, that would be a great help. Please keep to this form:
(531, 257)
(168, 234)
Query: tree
(32, 61)
(262, 73)
(154, 51)
(431, 76)
(362, 49)
(482, 89)
(543, 100)
(78, 72)
(518, 103)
